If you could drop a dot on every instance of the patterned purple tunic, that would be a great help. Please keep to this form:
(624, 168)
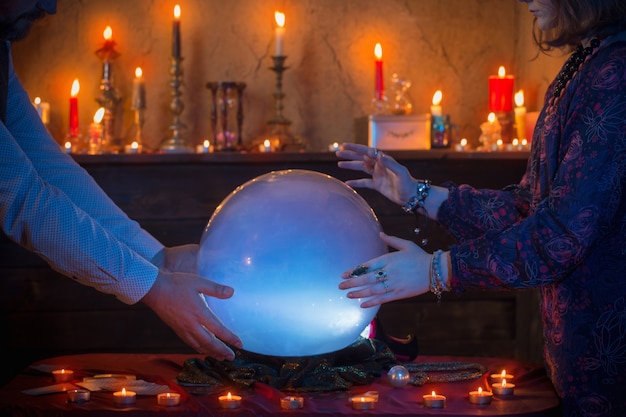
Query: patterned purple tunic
(562, 229)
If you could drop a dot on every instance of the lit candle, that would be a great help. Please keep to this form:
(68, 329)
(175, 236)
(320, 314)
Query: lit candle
(230, 401)
(95, 132)
(107, 53)
(333, 147)
(176, 33)
(168, 399)
(124, 398)
(78, 395)
(139, 91)
(74, 108)
(291, 403)
(267, 146)
(43, 110)
(503, 388)
(206, 145)
(462, 145)
(362, 403)
(379, 86)
(435, 109)
(520, 115)
(480, 397)
(68, 147)
(62, 375)
(279, 33)
(502, 375)
(434, 400)
(501, 91)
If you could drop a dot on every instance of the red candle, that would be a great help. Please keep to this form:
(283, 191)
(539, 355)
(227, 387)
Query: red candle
(176, 33)
(501, 92)
(74, 108)
(378, 79)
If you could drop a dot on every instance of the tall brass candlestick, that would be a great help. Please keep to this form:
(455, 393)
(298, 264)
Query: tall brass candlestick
(176, 143)
(280, 136)
(108, 98)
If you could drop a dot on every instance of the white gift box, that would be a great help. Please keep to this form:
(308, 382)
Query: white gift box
(399, 132)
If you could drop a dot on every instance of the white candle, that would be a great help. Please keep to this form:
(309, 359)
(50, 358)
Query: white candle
(435, 108)
(362, 403)
(229, 401)
(279, 32)
(43, 110)
(291, 403)
(503, 388)
(434, 400)
(480, 397)
(63, 375)
(124, 398)
(168, 399)
(78, 395)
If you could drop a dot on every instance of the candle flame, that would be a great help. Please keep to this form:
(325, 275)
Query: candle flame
(480, 391)
(266, 143)
(229, 396)
(97, 118)
(503, 382)
(463, 142)
(501, 72)
(108, 33)
(503, 374)
(68, 145)
(519, 98)
(135, 145)
(499, 142)
(433, 394)
(177, 12)
(524, 142)
(138, 72)
(378, 51)
(206, 143)
(514, 142)
(124, 391)
(279, 17)
(492, 118)
(37, 100)
(437, 97)
(75, 88)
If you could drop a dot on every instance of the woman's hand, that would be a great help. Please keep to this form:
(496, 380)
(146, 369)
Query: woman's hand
(389, 178)
(397, 275)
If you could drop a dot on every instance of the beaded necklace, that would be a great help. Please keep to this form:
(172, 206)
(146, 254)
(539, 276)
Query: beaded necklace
(572, 65)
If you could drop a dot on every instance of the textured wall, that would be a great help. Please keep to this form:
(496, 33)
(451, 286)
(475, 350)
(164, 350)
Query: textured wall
(452, 45)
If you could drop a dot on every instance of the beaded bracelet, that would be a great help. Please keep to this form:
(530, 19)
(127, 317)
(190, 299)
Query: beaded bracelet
(437, 284)
(416, 205)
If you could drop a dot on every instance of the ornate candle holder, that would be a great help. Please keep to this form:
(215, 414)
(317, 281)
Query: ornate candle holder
(176, 143)
(279, 135)
(108, 98)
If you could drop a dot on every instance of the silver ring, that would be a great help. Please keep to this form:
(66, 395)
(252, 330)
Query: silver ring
(381, 275)
(376, 152)
(384, 282)
(359, 270)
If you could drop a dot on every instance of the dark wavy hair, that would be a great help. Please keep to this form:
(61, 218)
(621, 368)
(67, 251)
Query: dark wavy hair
(580, 19)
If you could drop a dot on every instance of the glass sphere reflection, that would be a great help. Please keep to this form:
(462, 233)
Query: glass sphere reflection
(282, 241)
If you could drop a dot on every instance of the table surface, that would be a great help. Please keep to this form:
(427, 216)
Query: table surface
(534, 395)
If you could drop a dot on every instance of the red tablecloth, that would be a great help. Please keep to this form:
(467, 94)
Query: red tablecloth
(534, 395)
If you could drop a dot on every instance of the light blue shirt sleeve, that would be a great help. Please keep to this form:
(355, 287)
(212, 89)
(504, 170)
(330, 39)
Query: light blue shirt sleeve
(52, 206)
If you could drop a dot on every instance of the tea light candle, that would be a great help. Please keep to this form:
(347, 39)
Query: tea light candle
(333, 147)
(230, 401)
(62, 375)
(124, 398)
(502, 375)
(168, 399)
(503, 388)
(291, 403)
(362, 403)
(480, 397)
(134, 147)
(434, 400)
(267, 146)
(462, 145)
(78, 395)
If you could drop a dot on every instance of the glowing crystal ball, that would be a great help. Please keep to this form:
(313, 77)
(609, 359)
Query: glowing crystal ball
(282, 241)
